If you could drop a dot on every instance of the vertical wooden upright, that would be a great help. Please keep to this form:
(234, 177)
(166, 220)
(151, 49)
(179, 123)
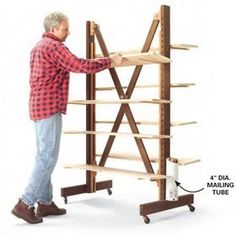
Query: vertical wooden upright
(91, 184)
(90, 109)
(164, 125)
(164, 81)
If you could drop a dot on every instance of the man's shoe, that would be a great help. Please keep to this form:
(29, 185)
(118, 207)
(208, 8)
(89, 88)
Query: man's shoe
(46, 210)
(23, 211)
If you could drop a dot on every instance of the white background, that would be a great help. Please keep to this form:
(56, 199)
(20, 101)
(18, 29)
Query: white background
(124, 24)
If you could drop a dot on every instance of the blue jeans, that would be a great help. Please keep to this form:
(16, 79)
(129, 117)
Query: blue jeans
(48, 135)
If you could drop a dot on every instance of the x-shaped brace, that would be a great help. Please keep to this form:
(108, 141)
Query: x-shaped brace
(125, 108)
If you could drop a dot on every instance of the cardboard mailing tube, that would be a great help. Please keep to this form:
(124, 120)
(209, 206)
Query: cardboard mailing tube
(171, 187)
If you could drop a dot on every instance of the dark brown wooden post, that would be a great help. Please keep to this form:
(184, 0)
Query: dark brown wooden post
(164, 111)
(90, 109)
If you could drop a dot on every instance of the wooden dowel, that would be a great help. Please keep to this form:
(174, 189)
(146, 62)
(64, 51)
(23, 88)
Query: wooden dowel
(187, 161)
(180, 123)
(183, 46)
(180, 85)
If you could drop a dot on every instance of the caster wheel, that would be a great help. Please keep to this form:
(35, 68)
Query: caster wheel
(109, 191)
(146, 219)
(65, 200)
(191, 208)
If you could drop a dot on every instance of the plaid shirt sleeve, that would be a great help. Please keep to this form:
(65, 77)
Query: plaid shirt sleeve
(50, 64)
(69, 62)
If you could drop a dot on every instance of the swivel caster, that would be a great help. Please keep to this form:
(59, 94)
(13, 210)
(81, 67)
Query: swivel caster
(109, 191)
(146, 219)
(65, 200)
(191, 208)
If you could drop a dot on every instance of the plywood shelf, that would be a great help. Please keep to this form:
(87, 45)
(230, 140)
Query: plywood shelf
(181, 46)
(142, 136)
(132, 157)
(173, 85)
(127, 156)
(173, 124)
(118, 101)
(131, 173)
(142, 59)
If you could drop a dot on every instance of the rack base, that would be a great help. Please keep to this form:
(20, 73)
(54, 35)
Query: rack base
(158, 206)
(79, 189)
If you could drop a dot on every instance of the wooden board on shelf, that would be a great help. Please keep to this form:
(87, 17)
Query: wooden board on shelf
(118, 101)
(180, 46)
(143, 136)
(126, 122)
(173, 124)
(131, 157)
(127, 156)
(142, 59)
(131, 173)
(173, 85)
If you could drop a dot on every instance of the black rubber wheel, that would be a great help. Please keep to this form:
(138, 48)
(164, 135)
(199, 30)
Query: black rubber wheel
(109, 191)
(146, 219)
(65, 200)
(191, 208)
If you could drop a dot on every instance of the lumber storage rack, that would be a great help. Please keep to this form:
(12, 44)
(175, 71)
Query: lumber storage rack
(95, 162)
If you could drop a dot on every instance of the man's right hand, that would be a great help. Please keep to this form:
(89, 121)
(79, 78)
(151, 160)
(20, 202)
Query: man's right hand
(116, 59)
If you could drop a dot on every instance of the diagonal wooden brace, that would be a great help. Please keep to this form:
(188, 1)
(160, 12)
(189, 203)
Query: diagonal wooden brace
(125, 109)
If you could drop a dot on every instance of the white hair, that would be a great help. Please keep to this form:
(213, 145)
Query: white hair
(54, 19)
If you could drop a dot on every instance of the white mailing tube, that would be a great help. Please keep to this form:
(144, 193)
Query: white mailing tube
(171, 187)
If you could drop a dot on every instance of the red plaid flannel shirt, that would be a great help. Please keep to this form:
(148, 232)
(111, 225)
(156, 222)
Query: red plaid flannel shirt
(50, 64)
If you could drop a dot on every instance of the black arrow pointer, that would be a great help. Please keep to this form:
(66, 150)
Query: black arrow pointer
(178, 185)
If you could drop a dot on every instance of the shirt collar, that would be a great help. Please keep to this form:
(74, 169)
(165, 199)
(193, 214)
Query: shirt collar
(50, 35)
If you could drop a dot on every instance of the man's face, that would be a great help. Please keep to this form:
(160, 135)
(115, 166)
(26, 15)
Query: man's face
(62, 31)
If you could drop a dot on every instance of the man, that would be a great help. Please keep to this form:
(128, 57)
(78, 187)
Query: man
(50, 64)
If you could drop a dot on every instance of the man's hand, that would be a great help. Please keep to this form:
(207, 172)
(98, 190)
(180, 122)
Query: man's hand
(116, 59)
